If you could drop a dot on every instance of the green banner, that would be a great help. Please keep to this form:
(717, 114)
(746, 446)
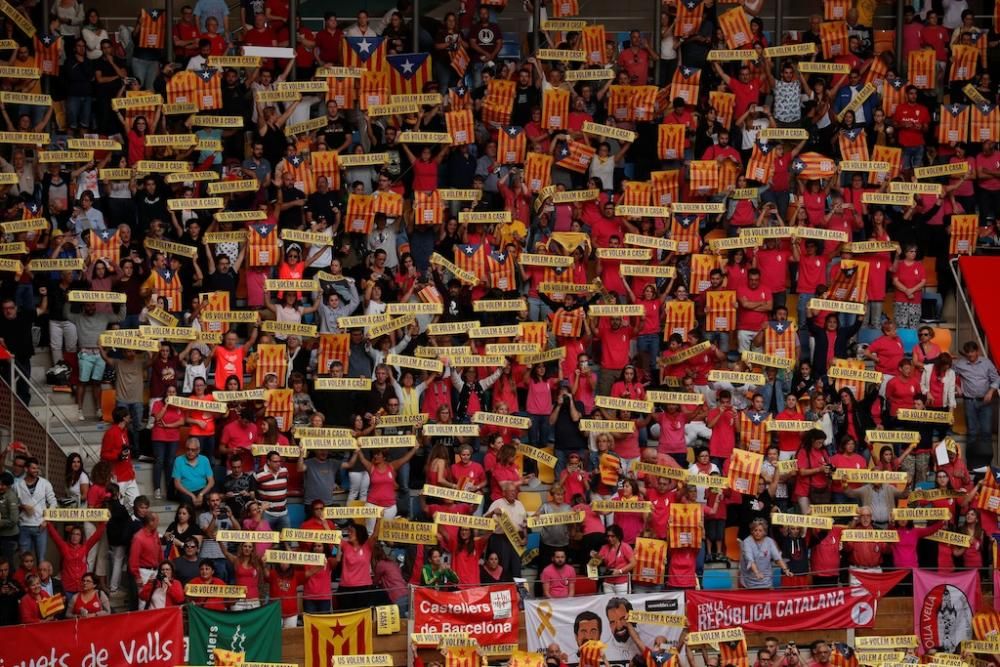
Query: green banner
(255, 632)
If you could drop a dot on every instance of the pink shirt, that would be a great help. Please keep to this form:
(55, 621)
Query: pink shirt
(540, 396)
(616, 559)
(382, 488)
(672, 432)
(558, 579)
(356, 564)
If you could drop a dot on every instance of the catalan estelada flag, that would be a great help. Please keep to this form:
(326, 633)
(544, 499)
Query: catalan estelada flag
(574, 155)
(684, 230)
(555, 109)
(568, 324)
(703, 177)
(151, 29)
(272, 359)
(984, 123)
(459, 98)
(736, 28)
(760, 167)
(223, 658)
(650, 561)
(301, 170)
(779, 339)
(460, 127)
(850, 282)
(679, 318)
(734, 653)
(262, 245)
(341, 90)
(498, 102)
(537, 171)
(744, 471)
(408, 72)
(501, 270)
(360, 213)
(620, 102)
(203, 88)
(462, 656)
(891, 154)
(689, 16)
(534, 332)
(637, 193)
(167, 285)
(686, 527)
(459, 59)
(430, 294)
(592, 39)
(48, 48)
(388, 202)
(963, 62)
(105, 244)
(953, 125)
(701, 267)
(853, 144)
(986, 624)
(217, 302)
(729, 172)
(857, 387)
(964, 233)
(592, 653)
(666, 187)
(512, 145)
(877, 71)
(720, 310)
(564, 8)
(753, 430)
(686, 84)
(670, 144)
(811, 166)
(472, 257)
(364, 52)
(833, 38)
(278, 404)
(333, 347)
(843, 655)
(836, 10)
(724, 104)
(644, 103)
(374, 88)
(324, 163)
(893, 94)
(921, 68)
(330, 635)
(428, 209)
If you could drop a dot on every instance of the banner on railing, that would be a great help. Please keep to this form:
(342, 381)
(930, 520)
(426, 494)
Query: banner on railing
(254, 632)
(489, 614)
(140, 639)
(943, 607)
(571, 622)
(329, 635)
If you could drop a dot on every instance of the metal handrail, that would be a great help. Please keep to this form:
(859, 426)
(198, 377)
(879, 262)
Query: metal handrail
(86, 450)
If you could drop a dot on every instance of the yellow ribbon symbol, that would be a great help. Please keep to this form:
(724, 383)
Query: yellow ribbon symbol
(545, 614)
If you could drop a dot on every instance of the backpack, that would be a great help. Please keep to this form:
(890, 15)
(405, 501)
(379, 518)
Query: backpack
(58, 374)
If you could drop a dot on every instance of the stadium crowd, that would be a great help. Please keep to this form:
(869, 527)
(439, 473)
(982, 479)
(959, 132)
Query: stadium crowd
(696, 278)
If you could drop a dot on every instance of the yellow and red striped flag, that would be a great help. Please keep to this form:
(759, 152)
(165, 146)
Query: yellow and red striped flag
(48, 48)
(984, 123)
(408, 72)
(891, 154)
(459, 98)
(877, 71)
(953, 126)
(472, 257)
(724, 104)
(51, 605)
(460, 126)
(462, 656)
(364, 52)
(564, 8)
(679, 318)
(301, 171)
(459, 59)
(262, 245)
(720, 310)
(963, 62)
(555, 109)
(686, 527)
(813, 165)
(650, 561)
(753, 431)
(644, 103)
(537, 171)
(701, 270)
(574, 155)
(620, 102)
(779, 339)
(857, 387)
(568, 324)
(223, 658)
(374, 89)
(744, 471)
(278, 404)
(666, 186)
(833, 38)
(980, 40)
(342, 91)
(690, 14)
(214, 302)
(686, 84)
(512, 145)
(203, 88)
(329, 635)
(670, 144)
(151, 30)
(986, 624)
(498, 102)
(272, 359)
(684, 229)
(333, 347)
(736, 28)
(324, 163)
(853, 144)
(964, 234)
(836, 10)
(592, 39)
(500, 265)
(428, 209)
(760, 167)
(704, 177)
(359, 216)
(388, 202)
(535, 332)
(734, 653)
(921, 67)
(105, 244)
(893, 94)
(637, 193)
(729, 172)
(592, 653)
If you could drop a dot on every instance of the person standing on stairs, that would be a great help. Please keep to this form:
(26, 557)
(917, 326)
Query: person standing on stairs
(116, 450)
(15, 335)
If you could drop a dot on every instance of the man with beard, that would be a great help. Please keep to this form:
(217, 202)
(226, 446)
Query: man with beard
(625, 642)
(586, 627)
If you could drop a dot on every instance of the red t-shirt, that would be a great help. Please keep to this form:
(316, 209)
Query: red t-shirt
(328, 46)
(614, 344)
(899, 391)
(115, 450)
(911, 113)
(228, 362)
(773, 265)
(890, 352)
(746, 94)
(991, 162)
(910, 276)
(751, 320)
(720, 445)
(812, 273)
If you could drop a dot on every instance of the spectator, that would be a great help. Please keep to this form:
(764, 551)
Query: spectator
(34, 496)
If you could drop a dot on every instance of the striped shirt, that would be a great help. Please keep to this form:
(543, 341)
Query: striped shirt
(272, 488)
